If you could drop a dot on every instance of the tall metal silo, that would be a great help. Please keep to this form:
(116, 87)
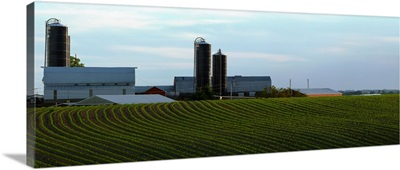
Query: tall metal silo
(57, 44)
(219, 73)
(202, 64)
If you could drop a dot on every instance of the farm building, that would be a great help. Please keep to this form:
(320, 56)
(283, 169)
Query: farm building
(161, 90)
(63, 84)
(183, 86)
(240, 85)
(124, 99)
(247, 85)
(319, 92)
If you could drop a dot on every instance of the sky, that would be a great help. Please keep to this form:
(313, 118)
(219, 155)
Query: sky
(334, 51)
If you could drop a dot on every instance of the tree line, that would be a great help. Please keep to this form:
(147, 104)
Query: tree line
(269, 92)
(274, 92)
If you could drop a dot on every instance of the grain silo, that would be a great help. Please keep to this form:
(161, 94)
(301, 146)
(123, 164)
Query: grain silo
(202, 64)
(219, 73)
(57, 44)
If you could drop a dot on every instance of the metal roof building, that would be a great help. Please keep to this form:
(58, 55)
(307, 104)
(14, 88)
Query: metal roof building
(241, 85)
(319, 92)
(85, 75)
(76, 83)
(247, 84)
(124, 99)
(184, 85)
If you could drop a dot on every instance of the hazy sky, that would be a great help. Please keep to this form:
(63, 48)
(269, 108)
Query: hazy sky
(334, 51)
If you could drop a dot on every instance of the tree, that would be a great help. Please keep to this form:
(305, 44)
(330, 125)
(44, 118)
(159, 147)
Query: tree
(272, 91)
(76, 62)
(203, 94)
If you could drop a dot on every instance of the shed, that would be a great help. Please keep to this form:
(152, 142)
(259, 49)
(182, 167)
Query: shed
(319, 92)
(124, 99)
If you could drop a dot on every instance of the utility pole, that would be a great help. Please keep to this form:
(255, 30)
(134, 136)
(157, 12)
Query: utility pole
(231, 88)
(308, 83)
(290, 87)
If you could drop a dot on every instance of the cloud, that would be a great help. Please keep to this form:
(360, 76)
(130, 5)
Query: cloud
(88, 19)
(264, 56)
(388, 39)
(187, 53)
(223, 13)
(187, 36)
(85, 18)
(366, 40)
(161, 65)
(334, 50)
(166, 66)
(192, 22)
(168, 52)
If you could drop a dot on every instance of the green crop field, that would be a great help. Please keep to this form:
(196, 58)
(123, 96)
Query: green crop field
(65, 136)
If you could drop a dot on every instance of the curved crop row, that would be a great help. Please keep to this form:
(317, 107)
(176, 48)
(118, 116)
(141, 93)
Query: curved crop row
(119, 133)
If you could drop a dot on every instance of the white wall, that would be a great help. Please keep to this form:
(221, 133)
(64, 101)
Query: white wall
(82, 92)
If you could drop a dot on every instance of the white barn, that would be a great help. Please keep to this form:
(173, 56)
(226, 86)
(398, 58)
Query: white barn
(63, 84)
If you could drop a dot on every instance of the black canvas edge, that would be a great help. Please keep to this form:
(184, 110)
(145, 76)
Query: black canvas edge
(30, 80)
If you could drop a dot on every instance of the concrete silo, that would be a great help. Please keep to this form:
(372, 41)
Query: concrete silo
(202, 64)
(57, 44)
(219, 72)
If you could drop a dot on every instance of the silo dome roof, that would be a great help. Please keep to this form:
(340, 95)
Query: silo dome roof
(219, 52)
(200, 40)
(56, 25)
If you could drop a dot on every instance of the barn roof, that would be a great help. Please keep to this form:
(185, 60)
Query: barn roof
(240, 78)
(318, 91)
(88, 75)
(124, 99)
(142, 89)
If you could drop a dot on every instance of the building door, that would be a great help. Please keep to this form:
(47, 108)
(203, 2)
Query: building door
(55, 95)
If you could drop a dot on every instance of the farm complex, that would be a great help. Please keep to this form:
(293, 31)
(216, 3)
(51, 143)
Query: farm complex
(100, 114)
